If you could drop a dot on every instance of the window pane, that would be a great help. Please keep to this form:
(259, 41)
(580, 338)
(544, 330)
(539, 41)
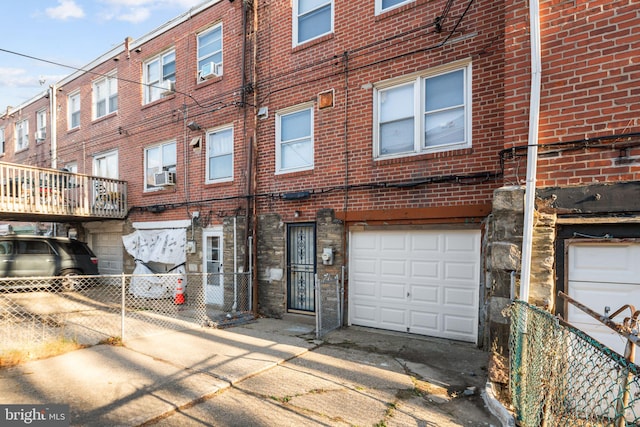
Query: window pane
(113, 103)
(209, 43)
(396, 103)
(305, 6)
(397, 136)
(314, 24)
(295, 125)
(169, 67)
(153, 72)
(296, 154)
(101, 108)
(220, 167)
(221, 143)
(445, 127)
(390, 3)
(75, 119)
(444, 91)
(168, 155)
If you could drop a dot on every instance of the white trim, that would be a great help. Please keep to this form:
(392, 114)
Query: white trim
(294, 30)
(157, 225)
(278, 142)
(380, 10)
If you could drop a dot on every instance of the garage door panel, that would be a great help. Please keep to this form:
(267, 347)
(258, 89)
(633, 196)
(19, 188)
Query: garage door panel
(618, 263)
(392, 292)
(365, 314)
(425, 322)
(416, 278)
(603, 274)
(365, 289)
(464, 298)
(394, 317)
(397, 268)
(465, 272)
(425, 294)
(458, 325)
(425, 269)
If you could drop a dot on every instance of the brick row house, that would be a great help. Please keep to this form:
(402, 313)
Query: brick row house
(378, 145)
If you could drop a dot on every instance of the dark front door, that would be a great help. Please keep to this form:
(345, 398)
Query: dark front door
(301, 267)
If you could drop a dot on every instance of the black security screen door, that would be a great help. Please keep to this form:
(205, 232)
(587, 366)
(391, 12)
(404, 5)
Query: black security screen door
(301, 267)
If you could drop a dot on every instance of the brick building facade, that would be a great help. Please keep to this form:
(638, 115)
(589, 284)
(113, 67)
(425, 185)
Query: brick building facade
(382, 143)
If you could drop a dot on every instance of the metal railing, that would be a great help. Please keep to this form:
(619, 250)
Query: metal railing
(93, 309)
(560, 376)
(33, 190)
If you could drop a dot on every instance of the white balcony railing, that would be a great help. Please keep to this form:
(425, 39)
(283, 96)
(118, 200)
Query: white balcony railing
(41, 191)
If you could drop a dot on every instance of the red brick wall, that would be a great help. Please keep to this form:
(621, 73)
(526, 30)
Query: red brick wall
(393, 44)
(136, 126)
(590, 70)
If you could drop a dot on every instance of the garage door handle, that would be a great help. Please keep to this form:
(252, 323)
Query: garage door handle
(408, 293)
(7, 260)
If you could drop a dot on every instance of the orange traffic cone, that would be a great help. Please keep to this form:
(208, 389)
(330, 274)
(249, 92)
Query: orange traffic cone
(179, 297)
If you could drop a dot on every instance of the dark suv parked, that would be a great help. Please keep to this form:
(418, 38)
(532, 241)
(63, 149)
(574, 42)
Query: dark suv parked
(29, 256)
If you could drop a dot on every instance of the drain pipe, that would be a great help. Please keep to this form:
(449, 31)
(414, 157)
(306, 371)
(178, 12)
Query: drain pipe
(532, 149)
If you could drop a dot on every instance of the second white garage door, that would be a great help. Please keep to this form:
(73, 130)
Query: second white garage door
(425, 282)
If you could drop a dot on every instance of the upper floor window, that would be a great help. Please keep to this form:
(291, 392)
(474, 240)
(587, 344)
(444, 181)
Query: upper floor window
(423, 113)
(220, 155)
(41, 125)
(74, 110)
(384, 5)
(210, 53)
(159, 76)
(105, 96)
(294, 139)
(22, 134)
(311, 19)
(158, 159)
(2, 148)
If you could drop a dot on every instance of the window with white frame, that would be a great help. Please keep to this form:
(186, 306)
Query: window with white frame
(2, 147)
(157, 159)
(22, 134)
(210, 53)
(105, 96)
(41, 125)
(385, 5)
(159, 76)
(423, 113)
(294, 139)
(311, 19)
(220, 155)
(74, 110)
(106, 164)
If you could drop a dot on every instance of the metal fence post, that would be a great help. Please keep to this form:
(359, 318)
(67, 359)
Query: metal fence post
(122, 307)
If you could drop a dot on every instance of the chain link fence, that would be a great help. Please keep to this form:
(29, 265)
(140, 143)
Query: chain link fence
(559, 376)
(328, 304)
(93, 309)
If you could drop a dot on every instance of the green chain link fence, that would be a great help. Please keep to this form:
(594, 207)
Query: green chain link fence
(559, 376)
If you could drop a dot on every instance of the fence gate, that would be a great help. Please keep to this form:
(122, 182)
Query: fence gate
(328, 304)
(301, 267)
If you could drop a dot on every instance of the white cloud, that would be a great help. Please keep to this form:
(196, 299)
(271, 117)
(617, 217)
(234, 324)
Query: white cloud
(66, 9)
(16, 77)
(135, 15)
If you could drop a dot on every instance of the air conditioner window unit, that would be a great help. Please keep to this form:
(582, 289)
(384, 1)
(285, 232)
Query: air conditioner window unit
(168, 87)
(163, 179)
(41, 135)
(209, 70)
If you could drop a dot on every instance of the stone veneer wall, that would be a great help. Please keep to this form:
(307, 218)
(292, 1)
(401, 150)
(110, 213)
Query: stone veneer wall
(503, 251)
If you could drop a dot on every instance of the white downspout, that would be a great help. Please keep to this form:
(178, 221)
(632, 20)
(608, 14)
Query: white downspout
(532, 150)
(235, 265)
(54, 125)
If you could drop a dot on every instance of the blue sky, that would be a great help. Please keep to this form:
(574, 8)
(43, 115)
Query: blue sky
(69, 32)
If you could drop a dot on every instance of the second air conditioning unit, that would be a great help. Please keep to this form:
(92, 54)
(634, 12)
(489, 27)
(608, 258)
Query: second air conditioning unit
(168, 87)
(209, 70)
(41, 135)
(163, 179)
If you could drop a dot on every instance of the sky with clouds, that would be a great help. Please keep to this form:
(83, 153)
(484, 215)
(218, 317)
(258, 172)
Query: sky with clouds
(68, 32)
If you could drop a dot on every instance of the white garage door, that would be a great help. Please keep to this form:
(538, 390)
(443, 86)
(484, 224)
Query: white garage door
(424, 282)
(603, 275)
(109, 250)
